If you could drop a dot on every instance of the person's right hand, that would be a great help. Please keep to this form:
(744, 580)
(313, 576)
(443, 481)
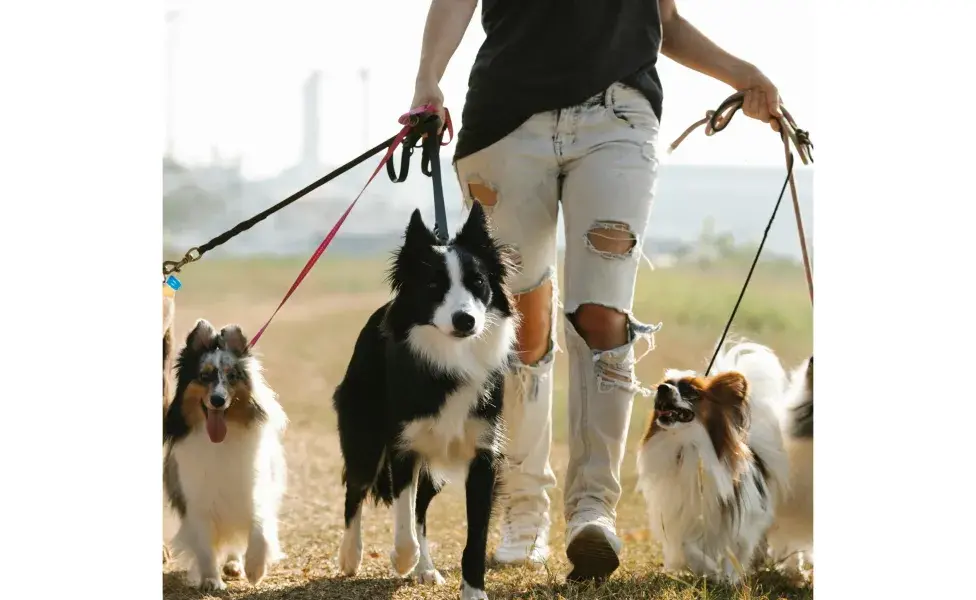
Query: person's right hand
(427, 91)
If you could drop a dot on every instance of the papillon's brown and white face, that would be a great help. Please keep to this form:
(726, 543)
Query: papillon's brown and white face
(214, 379)
(718, 404)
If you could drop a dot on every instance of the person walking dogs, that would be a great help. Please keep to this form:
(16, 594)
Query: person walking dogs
(563, 110)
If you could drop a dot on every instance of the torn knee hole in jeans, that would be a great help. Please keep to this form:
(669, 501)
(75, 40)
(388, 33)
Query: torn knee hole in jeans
(615, 368)
(531, 373)
(483, 192)
(611, 239)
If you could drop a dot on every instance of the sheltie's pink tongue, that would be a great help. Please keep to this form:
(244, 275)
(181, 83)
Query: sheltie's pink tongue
(216, 425)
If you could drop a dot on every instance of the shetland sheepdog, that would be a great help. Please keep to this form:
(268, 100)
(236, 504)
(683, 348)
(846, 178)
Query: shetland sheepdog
(712, 466)
(224, 469)
(791, 537)
(421, 400)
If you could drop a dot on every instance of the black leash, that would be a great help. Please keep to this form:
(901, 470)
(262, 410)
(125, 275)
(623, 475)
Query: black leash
(194, 254)
(755, 260)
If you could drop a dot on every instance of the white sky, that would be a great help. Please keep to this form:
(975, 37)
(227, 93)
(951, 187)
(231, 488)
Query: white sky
(238, 69)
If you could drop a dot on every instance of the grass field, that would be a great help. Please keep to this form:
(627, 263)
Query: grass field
(305, 351)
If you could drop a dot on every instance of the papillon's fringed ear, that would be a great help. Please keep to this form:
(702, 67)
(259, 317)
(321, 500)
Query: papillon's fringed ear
(730, 391)
(417, 232)
(202, 336)
(729, 388)
(232, 338)
(474, 235)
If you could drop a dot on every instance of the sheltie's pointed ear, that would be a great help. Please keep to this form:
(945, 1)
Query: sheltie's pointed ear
(417, 233)
(232, 338)
(474, 234)
(202, 336)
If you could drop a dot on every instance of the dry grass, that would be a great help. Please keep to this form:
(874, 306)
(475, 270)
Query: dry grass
(305, 352)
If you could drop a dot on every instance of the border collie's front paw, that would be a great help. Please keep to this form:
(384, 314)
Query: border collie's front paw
(405, 558)
(430, 577)
(471, 593)
(212, 584)
(350, 554)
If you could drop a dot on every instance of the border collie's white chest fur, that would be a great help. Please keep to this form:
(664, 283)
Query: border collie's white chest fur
(450, 439)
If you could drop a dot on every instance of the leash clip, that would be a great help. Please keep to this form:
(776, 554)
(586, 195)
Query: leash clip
(174, 266)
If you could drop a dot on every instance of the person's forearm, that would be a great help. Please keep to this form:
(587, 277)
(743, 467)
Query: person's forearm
(447, 21)
(684, 44)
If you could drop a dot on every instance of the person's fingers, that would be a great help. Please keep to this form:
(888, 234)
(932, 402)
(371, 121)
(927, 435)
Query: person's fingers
(773, 102)
(750, 104)
(762, 112)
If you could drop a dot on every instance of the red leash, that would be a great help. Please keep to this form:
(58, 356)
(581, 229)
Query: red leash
(408, 120)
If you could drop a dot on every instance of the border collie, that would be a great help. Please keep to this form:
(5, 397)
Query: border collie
(224, 470)
(791, 537)
(712, 465)
(421, 399)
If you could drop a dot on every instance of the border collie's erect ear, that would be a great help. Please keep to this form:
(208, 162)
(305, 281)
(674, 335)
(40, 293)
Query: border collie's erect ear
(202, 336)
(474, 235)
(232, 338)
(417, 232)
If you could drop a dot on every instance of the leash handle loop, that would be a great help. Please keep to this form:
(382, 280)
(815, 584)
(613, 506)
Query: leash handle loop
(718, 119)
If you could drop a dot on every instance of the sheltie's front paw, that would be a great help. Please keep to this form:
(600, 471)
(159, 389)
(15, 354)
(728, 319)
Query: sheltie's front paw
(212, 584)
(234, 569)
(256, 559)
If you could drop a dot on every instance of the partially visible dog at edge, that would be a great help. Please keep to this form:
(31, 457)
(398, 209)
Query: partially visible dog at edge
(791, 537)
(713, 466)
(421, 400)
(224, 469)
(169, 320)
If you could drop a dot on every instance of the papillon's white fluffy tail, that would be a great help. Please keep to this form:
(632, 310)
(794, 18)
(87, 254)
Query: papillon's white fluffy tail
(768, 383)
(760, 365)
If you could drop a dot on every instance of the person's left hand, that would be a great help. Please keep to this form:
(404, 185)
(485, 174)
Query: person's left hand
(761, 99)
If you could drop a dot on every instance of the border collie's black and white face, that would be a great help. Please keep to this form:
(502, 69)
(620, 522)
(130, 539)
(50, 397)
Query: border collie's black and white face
(458, 288)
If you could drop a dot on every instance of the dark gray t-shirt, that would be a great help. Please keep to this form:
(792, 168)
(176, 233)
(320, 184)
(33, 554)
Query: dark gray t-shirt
(541, 55)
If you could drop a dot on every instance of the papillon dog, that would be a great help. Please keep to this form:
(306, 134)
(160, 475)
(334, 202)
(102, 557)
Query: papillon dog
(712, 465)
(421, 400)
(791, 537)
(224, 469)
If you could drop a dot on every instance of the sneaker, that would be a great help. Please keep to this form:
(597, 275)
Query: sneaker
(592, 547)
(525, 536)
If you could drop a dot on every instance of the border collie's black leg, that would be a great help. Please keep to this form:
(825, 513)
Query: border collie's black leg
(425, 570)
(480, 492)
(351, 549)
(406, 549)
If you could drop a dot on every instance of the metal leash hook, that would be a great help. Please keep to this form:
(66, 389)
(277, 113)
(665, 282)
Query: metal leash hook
(174, 266)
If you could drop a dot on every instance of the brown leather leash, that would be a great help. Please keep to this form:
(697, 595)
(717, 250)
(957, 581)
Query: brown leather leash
(718, 119)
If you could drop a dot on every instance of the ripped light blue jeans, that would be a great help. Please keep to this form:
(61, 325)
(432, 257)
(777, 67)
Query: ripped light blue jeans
(598, 162)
